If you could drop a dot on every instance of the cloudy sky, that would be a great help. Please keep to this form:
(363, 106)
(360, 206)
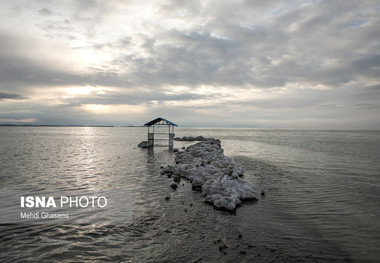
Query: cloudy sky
(240, 63)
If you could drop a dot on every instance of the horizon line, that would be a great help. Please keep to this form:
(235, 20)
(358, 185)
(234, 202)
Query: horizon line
(180, 126)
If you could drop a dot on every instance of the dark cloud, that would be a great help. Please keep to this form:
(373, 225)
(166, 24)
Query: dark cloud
(367, 65)
(11, 96)
(373, 87)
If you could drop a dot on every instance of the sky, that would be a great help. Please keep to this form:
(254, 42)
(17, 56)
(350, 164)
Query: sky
(236, 63)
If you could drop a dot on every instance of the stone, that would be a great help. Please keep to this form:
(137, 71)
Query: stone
(177, 178)
(145, 144)
(190, 138)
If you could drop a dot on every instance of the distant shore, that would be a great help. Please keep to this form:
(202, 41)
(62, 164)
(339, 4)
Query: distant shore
(52, 125)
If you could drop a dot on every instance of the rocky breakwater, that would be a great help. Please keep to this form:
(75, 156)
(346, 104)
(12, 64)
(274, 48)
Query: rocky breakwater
(216, 175)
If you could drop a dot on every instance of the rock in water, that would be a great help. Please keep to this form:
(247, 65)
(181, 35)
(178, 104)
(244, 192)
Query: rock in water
(216, 175)
(145, 144)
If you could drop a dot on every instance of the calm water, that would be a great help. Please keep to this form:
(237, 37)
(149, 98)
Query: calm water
(321, 205)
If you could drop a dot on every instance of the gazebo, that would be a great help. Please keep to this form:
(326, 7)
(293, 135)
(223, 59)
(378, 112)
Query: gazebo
(160, 123)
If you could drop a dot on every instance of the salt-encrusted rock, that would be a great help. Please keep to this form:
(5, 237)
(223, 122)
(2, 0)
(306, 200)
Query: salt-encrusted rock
(216, 175)
(145, 144)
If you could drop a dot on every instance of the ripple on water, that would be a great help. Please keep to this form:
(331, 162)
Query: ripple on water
(309, 213)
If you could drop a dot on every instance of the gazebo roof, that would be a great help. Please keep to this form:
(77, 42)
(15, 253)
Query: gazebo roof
(160, 121)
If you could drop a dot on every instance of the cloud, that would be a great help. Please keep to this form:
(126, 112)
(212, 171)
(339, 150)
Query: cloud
(11, 96)
(298, 60)
(45, 12)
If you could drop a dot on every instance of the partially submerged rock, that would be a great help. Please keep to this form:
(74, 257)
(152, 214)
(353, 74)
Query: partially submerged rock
(145, 144)
(216, 175)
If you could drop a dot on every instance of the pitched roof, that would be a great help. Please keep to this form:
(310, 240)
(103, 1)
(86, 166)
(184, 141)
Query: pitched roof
(160, 121)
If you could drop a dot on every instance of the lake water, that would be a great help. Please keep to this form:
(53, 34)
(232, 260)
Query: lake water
(321, 204)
